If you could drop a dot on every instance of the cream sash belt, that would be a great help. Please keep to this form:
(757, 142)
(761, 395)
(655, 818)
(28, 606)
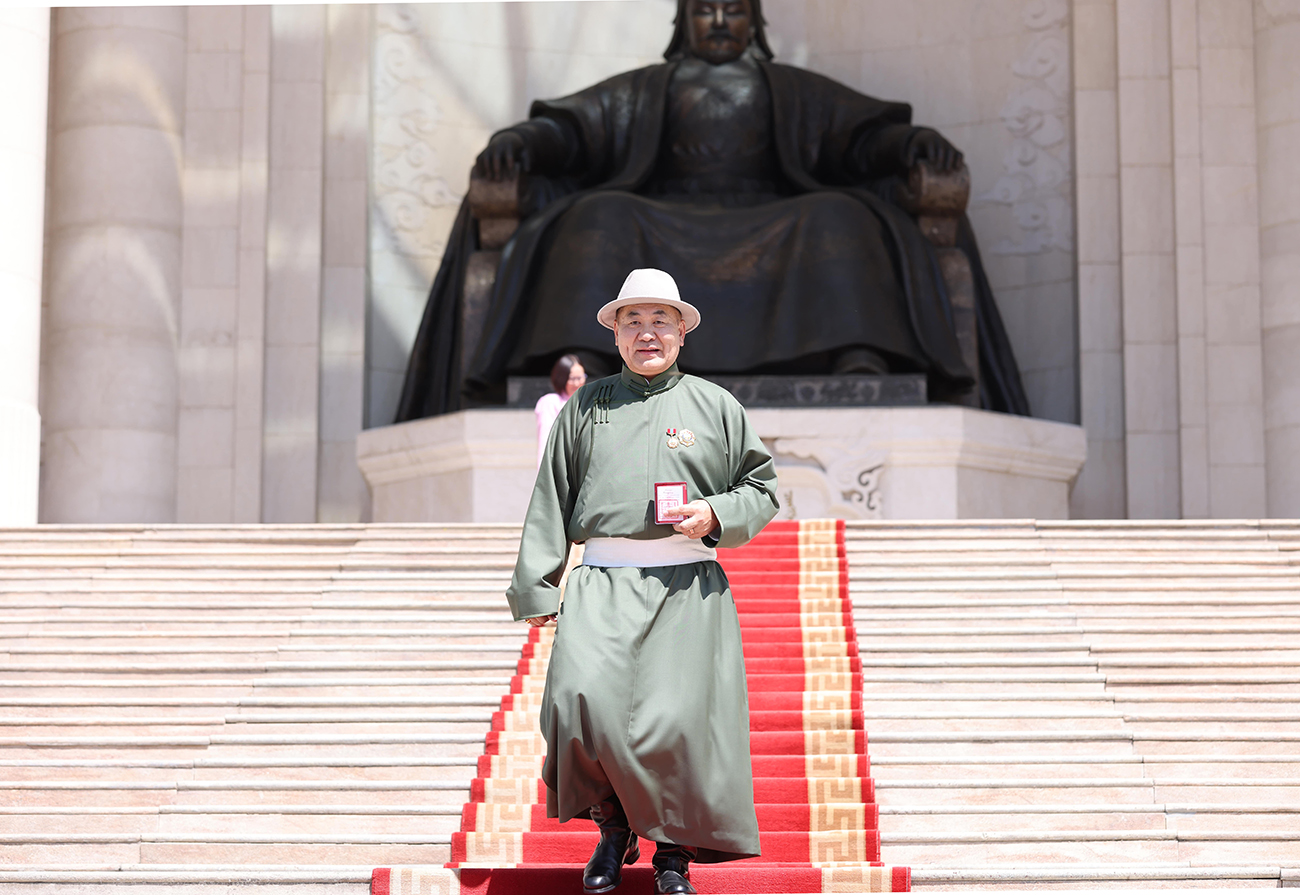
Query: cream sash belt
(675, 550)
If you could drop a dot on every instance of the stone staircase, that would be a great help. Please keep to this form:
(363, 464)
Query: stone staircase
(289, 705)
(1094, 704)
(1049, 704)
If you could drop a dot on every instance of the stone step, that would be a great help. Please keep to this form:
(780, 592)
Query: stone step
(1056, 602)
(271, 880)
(305, 652)
(259, 818)
(308, 563)
(141, 703)
(361, 767)
(1049, 818)
(9, 669)
(375, 850)
(1114, 877)
(1067, 846)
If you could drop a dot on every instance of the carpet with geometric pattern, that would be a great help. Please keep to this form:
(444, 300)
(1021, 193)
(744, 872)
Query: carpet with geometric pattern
(817, 815)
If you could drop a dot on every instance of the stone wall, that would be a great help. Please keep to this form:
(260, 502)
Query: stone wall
(204, 344)
(1169, 258)
(994, 77)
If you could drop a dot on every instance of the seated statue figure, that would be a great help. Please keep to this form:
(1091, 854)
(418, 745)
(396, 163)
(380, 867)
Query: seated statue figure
(767, 191)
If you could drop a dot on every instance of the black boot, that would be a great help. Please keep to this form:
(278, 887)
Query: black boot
(618, 846)
(672, 865)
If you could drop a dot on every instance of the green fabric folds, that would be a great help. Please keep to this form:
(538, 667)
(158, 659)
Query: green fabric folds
(645, 694)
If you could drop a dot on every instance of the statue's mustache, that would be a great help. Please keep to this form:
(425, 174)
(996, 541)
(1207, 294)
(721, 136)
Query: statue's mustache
(721, 34)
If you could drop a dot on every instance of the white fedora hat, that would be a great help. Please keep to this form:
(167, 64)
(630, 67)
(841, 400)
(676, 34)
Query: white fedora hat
(648, 286)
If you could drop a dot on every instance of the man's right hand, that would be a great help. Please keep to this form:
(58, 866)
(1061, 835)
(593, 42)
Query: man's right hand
(507, 153)
(539, 620)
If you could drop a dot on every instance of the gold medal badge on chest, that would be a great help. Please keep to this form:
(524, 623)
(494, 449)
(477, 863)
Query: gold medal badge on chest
(673, 440)
(684, 438)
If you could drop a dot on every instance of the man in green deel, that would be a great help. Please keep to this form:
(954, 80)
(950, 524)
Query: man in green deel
(646, 713)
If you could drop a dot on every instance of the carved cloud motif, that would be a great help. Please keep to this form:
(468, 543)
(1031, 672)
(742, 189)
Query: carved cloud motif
(823, 477)
(1036, 178)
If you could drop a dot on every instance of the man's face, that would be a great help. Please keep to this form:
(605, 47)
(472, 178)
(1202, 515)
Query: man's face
(649, 337)
(719, 30)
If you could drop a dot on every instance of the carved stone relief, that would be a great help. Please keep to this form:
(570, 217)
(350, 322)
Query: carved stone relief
(408, 181)
(412, 202)
(820, 478)
(1036, 178)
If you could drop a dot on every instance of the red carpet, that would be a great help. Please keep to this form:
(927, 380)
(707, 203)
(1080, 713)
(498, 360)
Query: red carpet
(816, 807)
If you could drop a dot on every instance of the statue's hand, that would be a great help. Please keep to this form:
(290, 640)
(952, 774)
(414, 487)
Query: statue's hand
(930, 146)
(507, 153)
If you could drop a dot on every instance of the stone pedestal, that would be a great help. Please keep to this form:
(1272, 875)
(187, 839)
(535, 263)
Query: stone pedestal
(473, 466)
(937, 462)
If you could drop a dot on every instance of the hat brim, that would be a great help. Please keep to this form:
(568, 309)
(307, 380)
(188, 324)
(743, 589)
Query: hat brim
(608, 314)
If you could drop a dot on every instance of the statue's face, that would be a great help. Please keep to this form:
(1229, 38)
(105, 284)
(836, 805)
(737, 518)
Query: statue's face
(719, 30)
(649, 337)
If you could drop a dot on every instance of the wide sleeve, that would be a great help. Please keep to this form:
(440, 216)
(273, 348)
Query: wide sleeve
(826, 132)
(544, 546)
(604, 120)
(749, 503)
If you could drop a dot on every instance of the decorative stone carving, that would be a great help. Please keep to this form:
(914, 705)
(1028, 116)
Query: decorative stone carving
(1036, 183)
(408, 181)
(824, 478)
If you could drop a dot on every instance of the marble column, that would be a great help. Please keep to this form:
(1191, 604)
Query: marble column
(1277, 88)
(294, 215)
(24, 68)
(1147, 260)
(340, 489)
(110, 397)
(1101, 489)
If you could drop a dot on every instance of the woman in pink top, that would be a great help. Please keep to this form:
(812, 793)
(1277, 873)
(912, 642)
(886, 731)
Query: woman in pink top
(567, 376)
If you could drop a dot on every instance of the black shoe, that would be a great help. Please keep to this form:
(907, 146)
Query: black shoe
(672, 865)
(618, 846)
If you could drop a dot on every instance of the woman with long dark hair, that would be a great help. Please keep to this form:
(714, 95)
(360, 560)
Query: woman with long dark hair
(567, 376)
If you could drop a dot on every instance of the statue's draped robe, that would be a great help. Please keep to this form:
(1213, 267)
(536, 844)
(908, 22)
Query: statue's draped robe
(791, 264)
(645, 692)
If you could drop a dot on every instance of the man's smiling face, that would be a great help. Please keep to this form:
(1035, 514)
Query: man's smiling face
(649, 337)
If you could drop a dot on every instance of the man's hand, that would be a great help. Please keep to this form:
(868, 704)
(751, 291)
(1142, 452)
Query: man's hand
(506, 153)
(538, 620)
(697, 519)
(930, 146)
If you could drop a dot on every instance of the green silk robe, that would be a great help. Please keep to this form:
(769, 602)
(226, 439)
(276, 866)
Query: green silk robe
(645, 693)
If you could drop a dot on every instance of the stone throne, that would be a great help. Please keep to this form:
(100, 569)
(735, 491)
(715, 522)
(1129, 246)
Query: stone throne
(937, 201)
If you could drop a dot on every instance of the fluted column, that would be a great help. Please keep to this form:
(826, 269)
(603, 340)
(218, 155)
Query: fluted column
(116, 152)
(24, 69)
(1277, 86)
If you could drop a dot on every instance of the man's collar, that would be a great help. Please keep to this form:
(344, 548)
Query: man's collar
(661, 383)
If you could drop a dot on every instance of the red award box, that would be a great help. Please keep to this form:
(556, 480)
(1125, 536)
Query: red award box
(668, 497)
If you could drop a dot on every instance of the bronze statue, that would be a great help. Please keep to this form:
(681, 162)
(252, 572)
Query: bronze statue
(772, 194)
